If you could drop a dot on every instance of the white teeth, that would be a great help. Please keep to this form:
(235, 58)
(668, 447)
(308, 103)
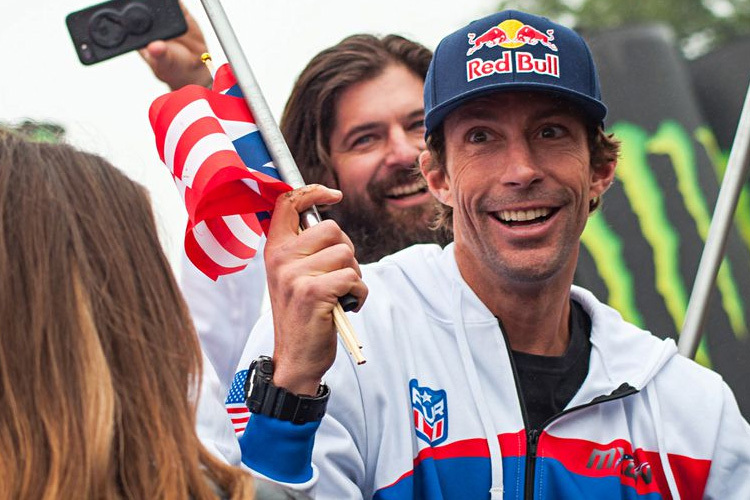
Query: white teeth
(524, 215)
(407, 190)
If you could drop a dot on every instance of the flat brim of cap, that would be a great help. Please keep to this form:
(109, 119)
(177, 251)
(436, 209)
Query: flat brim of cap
(594, 109)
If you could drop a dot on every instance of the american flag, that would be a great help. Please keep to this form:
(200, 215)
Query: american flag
(235, 403)
(209, 142)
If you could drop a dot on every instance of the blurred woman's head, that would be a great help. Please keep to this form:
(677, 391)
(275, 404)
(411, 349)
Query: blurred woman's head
(98, 355)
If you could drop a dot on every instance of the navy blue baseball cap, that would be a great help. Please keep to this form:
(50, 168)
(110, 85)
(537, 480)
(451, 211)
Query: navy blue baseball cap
(510, 50)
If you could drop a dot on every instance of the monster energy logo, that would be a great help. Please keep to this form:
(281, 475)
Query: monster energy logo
(647, 201)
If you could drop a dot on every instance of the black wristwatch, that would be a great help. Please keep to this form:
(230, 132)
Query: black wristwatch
(264, 398)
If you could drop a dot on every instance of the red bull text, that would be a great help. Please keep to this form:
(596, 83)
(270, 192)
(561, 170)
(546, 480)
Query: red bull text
(523, 62)
(512, 34)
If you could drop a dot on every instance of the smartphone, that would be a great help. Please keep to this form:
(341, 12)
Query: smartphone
(112, 28)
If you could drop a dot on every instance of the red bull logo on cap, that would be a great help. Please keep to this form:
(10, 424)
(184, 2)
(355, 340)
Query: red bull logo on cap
(512, 34)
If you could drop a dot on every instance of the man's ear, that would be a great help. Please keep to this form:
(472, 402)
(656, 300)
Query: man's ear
(437, 179)
(602, 178)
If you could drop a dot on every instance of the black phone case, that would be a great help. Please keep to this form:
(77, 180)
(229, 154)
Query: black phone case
(112, 28)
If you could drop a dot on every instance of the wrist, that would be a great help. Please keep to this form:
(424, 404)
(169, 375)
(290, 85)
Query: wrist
(298, 383)
(264, 397)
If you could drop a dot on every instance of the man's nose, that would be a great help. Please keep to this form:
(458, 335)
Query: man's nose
(403, 147)
(519, 166)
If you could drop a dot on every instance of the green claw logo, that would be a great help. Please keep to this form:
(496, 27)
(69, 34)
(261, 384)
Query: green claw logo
(638, 179)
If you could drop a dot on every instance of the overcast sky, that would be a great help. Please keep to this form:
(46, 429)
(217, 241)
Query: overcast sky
(104, 107)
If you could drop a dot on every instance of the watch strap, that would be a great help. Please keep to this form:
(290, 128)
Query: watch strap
(264, 398)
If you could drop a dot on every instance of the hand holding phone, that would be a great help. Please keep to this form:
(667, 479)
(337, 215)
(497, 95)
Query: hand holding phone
(112, 28)
(177, 62)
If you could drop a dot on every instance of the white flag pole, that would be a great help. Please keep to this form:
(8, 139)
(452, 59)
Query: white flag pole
(726, 204)
(277, 147)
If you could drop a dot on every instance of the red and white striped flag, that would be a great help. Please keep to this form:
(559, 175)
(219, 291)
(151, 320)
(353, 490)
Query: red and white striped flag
(211, 145)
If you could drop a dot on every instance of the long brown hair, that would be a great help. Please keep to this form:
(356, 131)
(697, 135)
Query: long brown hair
(308, 118)
(98, 356)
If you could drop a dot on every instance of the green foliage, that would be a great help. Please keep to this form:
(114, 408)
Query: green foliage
(37, 131)
(699, 25)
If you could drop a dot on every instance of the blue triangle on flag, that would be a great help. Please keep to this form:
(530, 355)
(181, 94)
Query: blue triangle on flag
(252, 150)
(234, 91)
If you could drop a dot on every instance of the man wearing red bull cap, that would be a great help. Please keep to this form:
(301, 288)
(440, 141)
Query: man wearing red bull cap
(489, 375)
(354, 121)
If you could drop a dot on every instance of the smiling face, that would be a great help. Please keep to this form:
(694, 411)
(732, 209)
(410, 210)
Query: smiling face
(519, 180)
(377, 137)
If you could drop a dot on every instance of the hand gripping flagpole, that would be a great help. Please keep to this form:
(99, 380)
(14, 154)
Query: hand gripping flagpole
(726, 204)
(277, 148)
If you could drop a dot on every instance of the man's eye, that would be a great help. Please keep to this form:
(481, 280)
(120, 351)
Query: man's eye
(477, 136)
(552, 131)
(363, 140)
(417, 125)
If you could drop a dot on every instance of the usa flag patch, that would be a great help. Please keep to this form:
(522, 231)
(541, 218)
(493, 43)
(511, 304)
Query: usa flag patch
(235, 403)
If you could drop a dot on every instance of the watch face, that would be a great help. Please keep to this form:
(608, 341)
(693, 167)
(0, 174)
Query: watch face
(250, 383)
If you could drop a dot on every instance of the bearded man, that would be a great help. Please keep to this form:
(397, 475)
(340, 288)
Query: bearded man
(354, 121)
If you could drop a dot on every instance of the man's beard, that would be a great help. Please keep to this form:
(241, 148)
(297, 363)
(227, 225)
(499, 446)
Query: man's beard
(377, 231)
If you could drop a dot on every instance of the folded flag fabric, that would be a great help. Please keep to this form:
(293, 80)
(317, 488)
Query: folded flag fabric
(209, 142)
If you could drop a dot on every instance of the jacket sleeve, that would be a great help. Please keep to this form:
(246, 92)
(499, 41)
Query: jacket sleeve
(323, 459)
(212, 422)
(729, 476)
(224, 311)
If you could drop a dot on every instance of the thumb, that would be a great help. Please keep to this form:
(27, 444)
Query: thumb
(157, 49)
(289, 205)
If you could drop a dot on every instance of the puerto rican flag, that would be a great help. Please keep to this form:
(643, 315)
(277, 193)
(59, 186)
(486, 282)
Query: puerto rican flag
(209, 142)
(430, 412)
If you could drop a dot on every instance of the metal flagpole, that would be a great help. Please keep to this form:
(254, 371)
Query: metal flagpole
(277, 147)
(726, 204)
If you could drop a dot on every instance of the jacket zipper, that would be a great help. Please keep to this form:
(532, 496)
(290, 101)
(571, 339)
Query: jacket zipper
(532, 438)
(532, 435)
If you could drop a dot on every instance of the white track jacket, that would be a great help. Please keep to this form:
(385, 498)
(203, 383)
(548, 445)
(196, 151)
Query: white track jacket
(435, 412)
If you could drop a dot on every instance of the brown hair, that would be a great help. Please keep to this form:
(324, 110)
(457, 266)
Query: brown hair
(98, 355)
(603, 148)
(308, 118)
